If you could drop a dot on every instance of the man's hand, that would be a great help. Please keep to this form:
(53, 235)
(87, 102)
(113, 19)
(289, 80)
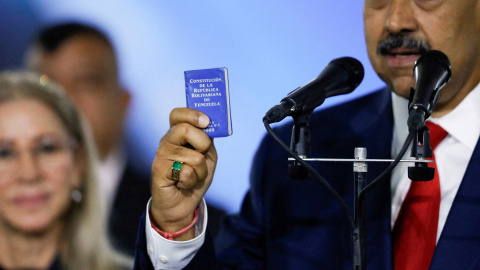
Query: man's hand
(174, 202)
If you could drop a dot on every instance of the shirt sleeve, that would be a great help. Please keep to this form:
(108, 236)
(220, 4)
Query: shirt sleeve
(168, 254)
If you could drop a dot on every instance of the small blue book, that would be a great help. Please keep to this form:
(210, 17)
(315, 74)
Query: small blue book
(207, 91)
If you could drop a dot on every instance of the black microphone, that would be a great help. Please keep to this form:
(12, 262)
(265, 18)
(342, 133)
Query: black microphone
(432, 71)
(341, 76)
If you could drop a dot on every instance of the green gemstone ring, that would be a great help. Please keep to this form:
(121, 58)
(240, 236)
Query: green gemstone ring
(177, 165)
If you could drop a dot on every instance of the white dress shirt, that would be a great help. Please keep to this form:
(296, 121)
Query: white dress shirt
(452, 156)
(173, 255)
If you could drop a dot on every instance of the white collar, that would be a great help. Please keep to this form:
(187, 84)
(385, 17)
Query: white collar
(462, 123)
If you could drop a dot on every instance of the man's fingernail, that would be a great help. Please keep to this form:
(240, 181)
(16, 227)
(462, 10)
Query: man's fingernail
(203, 120)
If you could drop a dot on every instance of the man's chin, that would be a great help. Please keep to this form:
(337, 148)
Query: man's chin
(402, 86)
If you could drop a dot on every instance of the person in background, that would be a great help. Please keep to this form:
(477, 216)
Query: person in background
(50, 214)
(290, 224)
(82, 59)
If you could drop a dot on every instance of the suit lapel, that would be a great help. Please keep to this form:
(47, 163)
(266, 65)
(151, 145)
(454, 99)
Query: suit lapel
(459, 244)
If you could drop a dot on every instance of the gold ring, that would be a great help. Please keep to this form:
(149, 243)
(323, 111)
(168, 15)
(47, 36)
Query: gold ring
(177, 165)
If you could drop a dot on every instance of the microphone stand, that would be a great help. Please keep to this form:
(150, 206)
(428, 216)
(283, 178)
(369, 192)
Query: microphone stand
(301, 144)
(360, 170)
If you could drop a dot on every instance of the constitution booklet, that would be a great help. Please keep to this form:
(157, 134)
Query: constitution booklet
(207, 91)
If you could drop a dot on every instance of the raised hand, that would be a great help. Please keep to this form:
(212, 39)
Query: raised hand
(175, 200)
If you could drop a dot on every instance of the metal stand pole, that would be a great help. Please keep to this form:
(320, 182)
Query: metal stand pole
(360, 169)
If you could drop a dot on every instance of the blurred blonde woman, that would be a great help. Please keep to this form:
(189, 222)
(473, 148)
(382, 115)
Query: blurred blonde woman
(50, 217)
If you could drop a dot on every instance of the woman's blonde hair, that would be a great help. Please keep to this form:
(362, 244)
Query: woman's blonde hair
(85, 244)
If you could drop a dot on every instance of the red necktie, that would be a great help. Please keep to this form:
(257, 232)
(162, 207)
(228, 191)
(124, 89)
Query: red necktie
(415, 231)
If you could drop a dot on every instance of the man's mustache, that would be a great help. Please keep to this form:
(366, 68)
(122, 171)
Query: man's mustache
(394, 41)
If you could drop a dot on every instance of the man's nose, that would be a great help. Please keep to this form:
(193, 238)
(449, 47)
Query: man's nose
(401, 17)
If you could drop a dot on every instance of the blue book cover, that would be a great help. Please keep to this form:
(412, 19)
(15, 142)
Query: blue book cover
(207, 91)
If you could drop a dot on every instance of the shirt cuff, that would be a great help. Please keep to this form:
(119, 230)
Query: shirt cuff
(168, 254)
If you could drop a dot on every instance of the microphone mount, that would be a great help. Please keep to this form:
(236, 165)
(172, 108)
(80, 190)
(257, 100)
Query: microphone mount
(301, 144)
(421, 150)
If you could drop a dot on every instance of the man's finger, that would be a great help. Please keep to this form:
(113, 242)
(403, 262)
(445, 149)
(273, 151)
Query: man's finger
(185, 134)
(188, 115)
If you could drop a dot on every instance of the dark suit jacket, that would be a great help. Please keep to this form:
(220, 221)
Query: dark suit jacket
(296, 224)
(129, 204)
